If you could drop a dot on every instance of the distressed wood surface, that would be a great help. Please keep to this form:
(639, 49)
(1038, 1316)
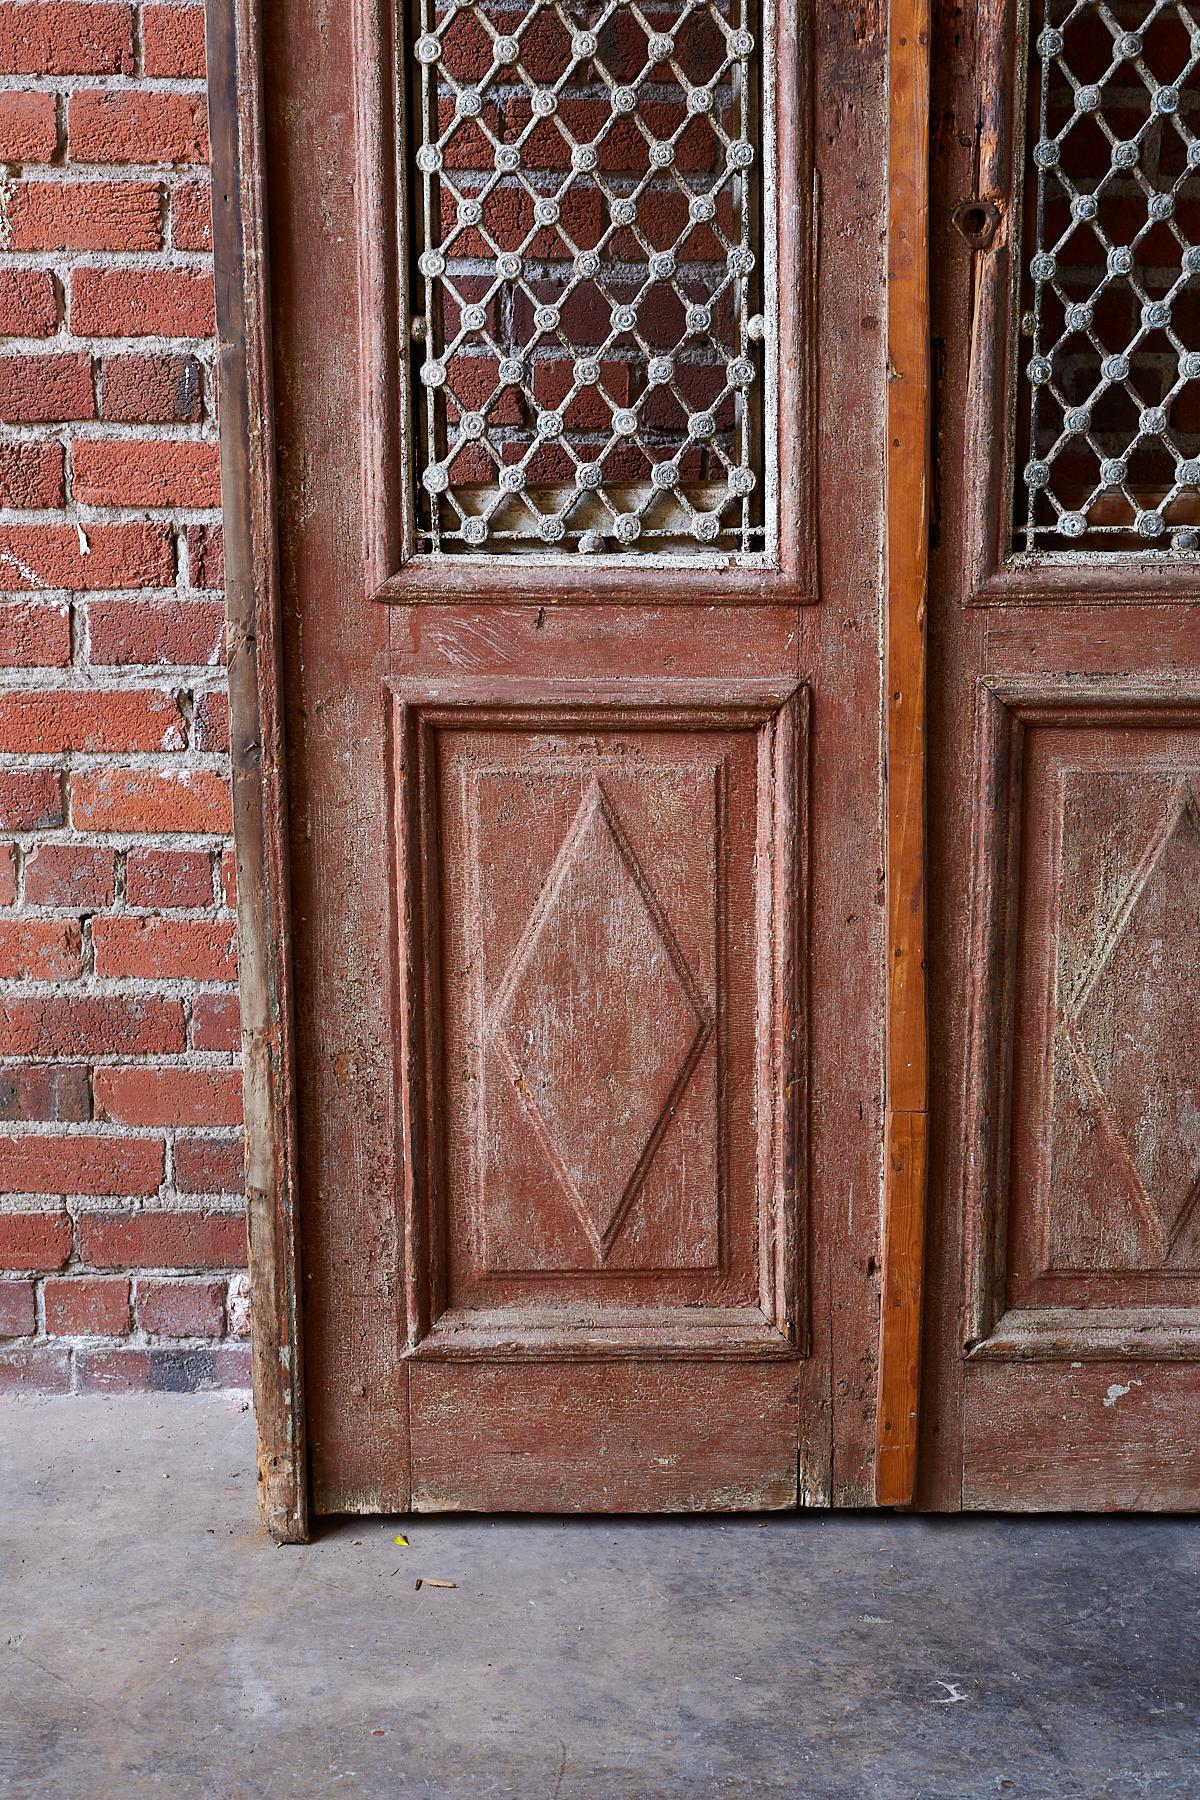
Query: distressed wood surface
(259, 807)
(790, 1385)
(904, 1172)
(1122, 1437)
(1062, 913)
(584, 1028)
(571, 1439)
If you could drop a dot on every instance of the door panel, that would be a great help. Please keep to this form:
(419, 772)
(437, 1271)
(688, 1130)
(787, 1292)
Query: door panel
(611, 1019)
(585, 819)
(1065, 671)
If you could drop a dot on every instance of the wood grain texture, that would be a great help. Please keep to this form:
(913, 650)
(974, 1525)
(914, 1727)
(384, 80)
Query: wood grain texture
(1123, 1438)
(340, 464)
(259, 806)
(901, 1307)
(690, 1437)
(602, 1061)
(1080, 1197)
(904, 1177)
(1059, 707)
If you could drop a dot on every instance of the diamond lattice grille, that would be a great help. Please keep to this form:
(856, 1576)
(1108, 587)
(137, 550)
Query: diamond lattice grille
(591, 351)
(1109, 404)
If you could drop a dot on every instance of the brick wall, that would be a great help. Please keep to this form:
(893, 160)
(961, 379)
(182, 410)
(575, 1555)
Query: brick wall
(121, 1230)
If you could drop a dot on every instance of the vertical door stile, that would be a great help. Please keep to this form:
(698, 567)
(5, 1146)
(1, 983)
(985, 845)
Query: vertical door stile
(907, 511)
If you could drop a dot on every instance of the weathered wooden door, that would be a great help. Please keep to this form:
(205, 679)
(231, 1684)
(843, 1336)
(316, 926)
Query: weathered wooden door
(1061, 1352)
(577, 335)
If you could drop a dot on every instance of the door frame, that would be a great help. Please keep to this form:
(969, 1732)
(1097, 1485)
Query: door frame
(258, 752)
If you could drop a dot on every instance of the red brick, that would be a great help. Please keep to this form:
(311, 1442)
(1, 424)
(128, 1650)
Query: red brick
(28, 307)
(181, 1309)
(161, 1369)
(63, 37)
(141, 303)
(168, 1096)
(163, 1240)
(165, 949)
(211, 721)
(28, 127)
(88, 719)
(209, 1166)
(86, 215)
(8, 874)
(35, 1369)
(31, 474)
(40, 950)
(233, 1365)
(176, 632)
(70, 875)
(206, 556)
(229, 877)
(91, 1025)
(30, 799)
(18, 1309)
(168, 878)
(41, 390)
(161, 472)
(191, 216)
(150, 800)
(173, 41)
(116, 556)
(152, 390)
(217, 1025)
(56, 1092)
(124, 125)
(87, 1306)
(39, 1240)
(80, 1165)
(33, 636)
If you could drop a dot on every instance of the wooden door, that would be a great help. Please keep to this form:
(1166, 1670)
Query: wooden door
(576, 341)
(1061, 1352)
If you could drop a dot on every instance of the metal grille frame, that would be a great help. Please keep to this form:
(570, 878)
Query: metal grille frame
(1091, 395)
(571, 533)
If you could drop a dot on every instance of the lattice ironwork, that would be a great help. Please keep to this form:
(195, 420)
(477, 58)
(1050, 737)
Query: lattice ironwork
(592, 349)
(1108, 409)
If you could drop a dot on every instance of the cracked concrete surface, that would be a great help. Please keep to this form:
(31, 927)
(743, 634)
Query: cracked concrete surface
(154, 1642)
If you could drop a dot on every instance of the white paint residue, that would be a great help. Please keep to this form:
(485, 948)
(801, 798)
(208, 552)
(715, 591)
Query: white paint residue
(85, 548)
(953, 1694)
(1118, 1390)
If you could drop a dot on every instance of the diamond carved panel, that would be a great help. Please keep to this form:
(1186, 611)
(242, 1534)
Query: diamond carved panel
(1132, 1031)
(598, 1021)
(1083, 1182)
(601, 1063)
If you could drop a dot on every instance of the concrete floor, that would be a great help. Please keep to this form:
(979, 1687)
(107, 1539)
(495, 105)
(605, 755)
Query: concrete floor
(154, 1642)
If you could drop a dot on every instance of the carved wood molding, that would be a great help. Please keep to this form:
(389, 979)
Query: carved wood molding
(471, 999)
(1049, 1320)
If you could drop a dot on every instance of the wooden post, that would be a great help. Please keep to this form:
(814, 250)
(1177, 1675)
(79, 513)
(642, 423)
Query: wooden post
(907, 465)
(259, 811)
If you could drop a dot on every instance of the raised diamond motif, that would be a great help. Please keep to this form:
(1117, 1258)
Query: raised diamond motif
(598, 1021)
(1136, 1022)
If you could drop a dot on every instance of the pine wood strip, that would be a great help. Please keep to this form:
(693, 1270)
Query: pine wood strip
(907, 474)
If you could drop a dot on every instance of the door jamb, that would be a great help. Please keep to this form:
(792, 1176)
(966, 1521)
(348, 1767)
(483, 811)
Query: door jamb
(253, 639)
